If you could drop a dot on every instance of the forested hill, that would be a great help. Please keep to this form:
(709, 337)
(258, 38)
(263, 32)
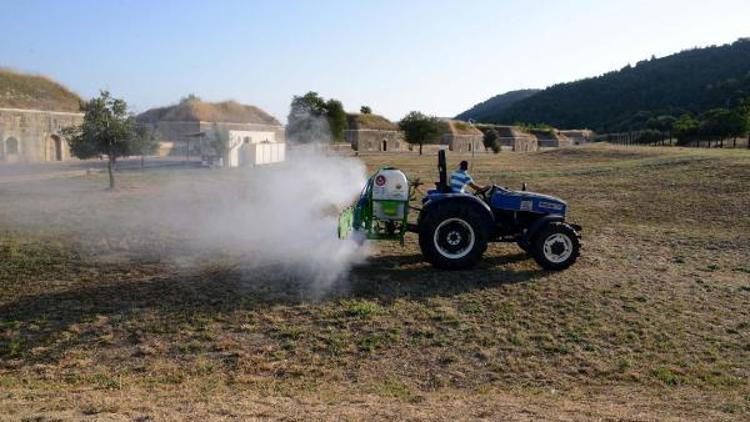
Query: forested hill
(690, 81)
(485, 110)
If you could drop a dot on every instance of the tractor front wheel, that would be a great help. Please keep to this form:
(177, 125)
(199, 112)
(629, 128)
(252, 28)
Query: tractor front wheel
(452, 237)
(556, 247)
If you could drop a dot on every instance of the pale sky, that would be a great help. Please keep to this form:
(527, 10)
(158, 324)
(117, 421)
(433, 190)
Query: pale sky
(439, 57)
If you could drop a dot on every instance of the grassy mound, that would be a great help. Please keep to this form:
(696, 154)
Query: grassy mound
(200, 111)
(458, 127)
(358, 121)
(19, 90)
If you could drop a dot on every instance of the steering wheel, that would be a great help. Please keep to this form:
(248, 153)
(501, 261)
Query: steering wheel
(482, 193)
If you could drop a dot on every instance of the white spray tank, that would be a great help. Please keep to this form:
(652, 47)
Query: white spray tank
(390, 194)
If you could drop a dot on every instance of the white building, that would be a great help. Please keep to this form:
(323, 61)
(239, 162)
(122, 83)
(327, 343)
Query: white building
(253, 148)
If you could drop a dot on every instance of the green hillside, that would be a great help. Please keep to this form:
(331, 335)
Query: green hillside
(690, 81)
(487, 109)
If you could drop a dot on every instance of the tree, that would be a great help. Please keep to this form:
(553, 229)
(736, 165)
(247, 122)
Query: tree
(306, 122)
(312, 118)
(649, 136)
(419, 128)
(220, 142)
(336, 119)
(189, 98)
(365, 110)
(490, 139)
(716, 124)
(686, 129)
(664, 125)
(107, 129)
(737, 125)
(145, 142)
(742, 111)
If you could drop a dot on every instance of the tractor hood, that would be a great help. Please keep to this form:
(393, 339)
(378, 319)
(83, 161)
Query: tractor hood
(528, 201)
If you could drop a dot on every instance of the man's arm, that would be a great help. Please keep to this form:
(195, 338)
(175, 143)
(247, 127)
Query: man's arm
(476, 187)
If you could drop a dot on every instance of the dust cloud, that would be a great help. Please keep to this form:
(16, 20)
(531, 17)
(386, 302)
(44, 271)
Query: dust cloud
(285, 215)
(278, 219)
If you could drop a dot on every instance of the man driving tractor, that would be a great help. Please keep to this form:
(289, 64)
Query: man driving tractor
(455, 227)
(461, 177)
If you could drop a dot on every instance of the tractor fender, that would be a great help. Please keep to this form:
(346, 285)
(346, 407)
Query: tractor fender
(466, 200)
(538, 225)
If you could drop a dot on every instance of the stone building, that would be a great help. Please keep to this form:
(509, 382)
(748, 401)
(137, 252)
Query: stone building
(512, 137)
(374, 133)
(33, 111)
(551, 138)
(579, 136)
(462, 137)
(188, 127)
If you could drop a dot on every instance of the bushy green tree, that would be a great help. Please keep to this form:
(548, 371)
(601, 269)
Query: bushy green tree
(419, 128)
(737, 125)
(306, 121)
(107, 129)
(491, 139)
(742, 124)
(649, 136)
(686, 129)
(365, 110)
(189, 98)
(220, 142)
(336, 119)
(145, 142)
(664, 125)
(312, 118)
(716, 124)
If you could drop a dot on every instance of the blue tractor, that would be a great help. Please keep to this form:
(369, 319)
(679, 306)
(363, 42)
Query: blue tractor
(455, 228)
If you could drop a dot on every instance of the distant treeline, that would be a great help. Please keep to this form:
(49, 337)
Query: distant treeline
(697, 87)
(713, 127)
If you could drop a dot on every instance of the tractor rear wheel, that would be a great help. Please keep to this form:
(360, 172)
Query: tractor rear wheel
(556, 247)
(452, 236)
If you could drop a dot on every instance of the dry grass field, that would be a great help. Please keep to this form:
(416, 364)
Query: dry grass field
(652, 323)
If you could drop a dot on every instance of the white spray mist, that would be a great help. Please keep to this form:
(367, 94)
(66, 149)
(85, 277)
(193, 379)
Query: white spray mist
(280, 218)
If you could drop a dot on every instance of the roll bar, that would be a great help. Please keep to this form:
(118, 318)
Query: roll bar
(442, 185)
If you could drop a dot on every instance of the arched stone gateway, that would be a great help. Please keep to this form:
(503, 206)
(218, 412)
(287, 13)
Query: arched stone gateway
(11, 146)
(55, 149)
(11, 150)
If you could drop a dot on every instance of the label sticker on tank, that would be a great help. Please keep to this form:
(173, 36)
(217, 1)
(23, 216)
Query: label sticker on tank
(526, 205)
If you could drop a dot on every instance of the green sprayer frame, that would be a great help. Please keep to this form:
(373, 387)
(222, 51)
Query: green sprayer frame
(360, 217)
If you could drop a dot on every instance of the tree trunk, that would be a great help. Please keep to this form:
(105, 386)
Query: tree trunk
(142, 161)
(734, 142)
(110, 164)
(748, 141)
(420, 148)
